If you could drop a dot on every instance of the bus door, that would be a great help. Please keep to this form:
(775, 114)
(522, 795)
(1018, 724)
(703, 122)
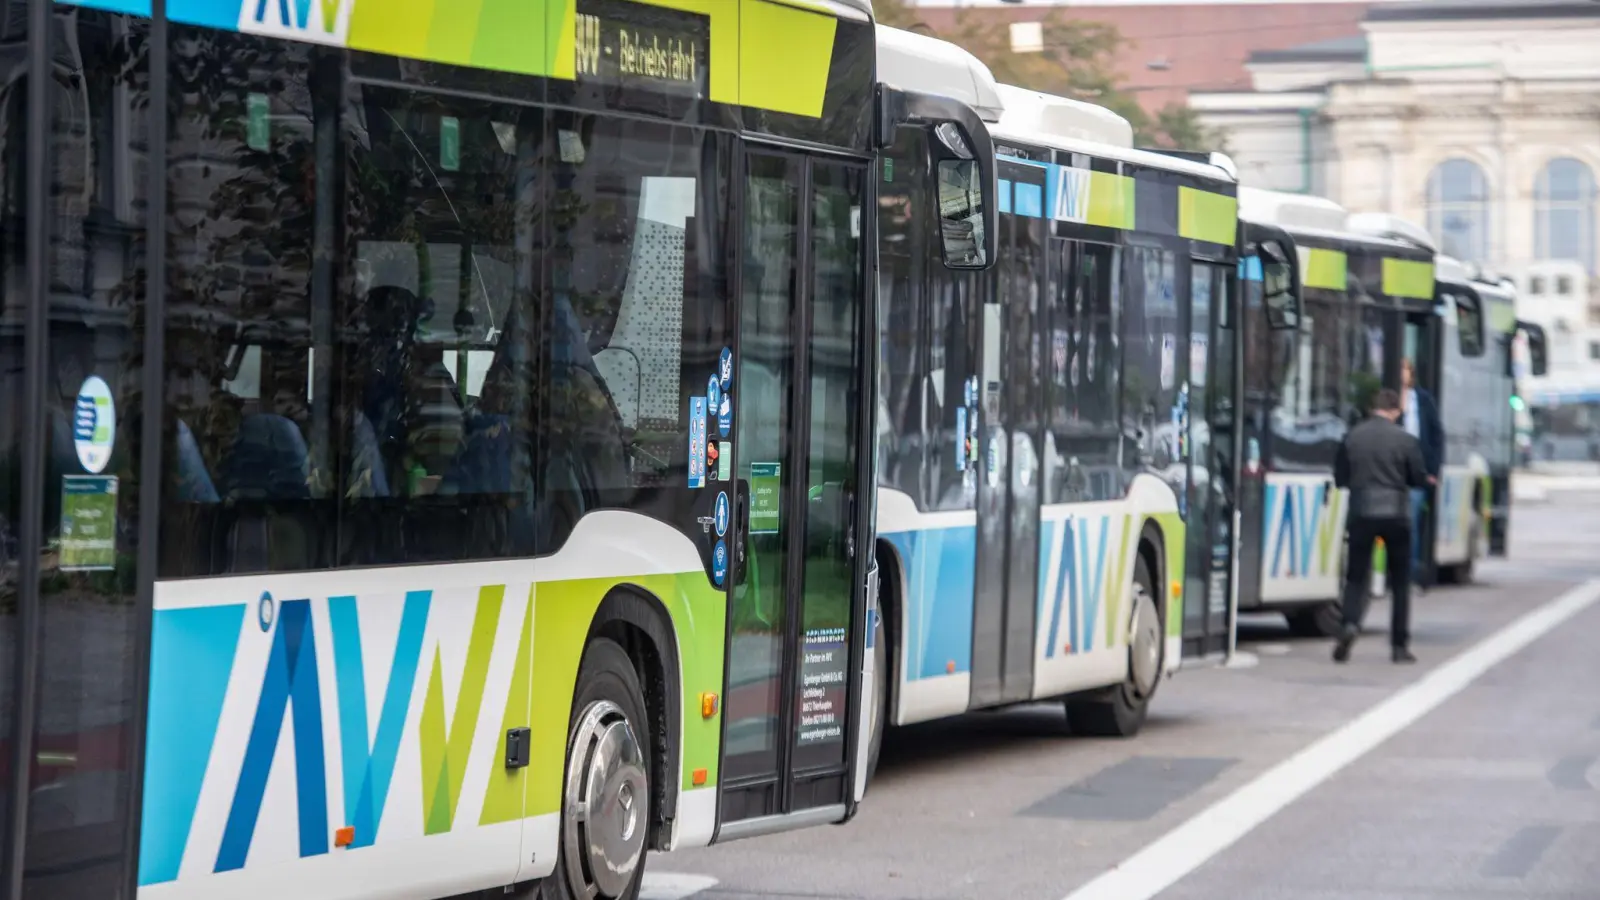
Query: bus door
(1213, 438)
(1011, 384)
(781, 411)
(1422, 343)
(1266, 329)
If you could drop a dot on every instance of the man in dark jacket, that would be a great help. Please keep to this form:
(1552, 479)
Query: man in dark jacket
(1380, 464)
(1419, 415)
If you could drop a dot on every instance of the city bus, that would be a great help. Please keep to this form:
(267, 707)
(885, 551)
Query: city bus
(1043, 429)
(434, 435)
(1463, 353)
(1361, 295)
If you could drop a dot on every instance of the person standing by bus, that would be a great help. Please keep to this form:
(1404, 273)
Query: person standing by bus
(1381, 465)
(1420, 417)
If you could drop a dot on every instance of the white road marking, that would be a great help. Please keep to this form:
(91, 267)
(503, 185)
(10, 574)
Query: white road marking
(673, 885)
(1184, 849)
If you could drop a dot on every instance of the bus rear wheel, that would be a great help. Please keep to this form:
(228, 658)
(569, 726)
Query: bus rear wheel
(1120, 711)
(605, 802)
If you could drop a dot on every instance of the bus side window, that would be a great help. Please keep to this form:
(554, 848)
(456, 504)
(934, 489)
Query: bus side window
(1469, 325)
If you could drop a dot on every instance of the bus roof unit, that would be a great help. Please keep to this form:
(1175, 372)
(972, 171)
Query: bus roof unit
(1291, 211)
(916, 62)
(1393, 228)
(1060, 117)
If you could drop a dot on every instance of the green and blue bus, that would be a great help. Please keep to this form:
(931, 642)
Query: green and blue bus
(434, 435)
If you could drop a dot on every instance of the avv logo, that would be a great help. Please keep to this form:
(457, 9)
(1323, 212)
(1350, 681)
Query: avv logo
(1081, 595)
(1301, 529)
(1071, 200)
(317, 21)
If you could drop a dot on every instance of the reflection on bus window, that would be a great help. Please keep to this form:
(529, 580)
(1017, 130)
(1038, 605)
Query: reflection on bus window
(382, 408)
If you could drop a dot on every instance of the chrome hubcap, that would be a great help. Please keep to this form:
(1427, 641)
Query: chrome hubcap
(607, 799)
(1144, 644)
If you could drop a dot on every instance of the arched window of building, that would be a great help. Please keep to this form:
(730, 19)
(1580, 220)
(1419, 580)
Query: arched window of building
(1563, 213)
(1458, 209)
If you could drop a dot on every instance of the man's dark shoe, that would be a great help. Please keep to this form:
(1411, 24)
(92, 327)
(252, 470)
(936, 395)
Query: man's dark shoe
(1341, 647)
(1402, 656)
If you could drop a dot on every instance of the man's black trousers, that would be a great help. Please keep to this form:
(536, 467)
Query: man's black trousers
(1396, 534)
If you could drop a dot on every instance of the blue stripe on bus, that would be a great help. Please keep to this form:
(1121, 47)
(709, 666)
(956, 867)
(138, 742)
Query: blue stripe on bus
(1029, 201)
(940, 576)
(191, 659)
(368, 763)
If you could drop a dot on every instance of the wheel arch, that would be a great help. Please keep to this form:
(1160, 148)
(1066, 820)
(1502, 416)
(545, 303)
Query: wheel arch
(1152, 548)
(891, 606)
(637, 620)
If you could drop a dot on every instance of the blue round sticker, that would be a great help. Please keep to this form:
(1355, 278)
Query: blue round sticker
(719, 563)
(725, 416)
(94, 424)
(725, 368)
(713, 393)
(721, 516)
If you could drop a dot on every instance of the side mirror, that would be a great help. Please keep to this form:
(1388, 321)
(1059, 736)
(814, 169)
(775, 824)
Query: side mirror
(961, 206)
(1280, 283)
(1538, 348)
(963, 170)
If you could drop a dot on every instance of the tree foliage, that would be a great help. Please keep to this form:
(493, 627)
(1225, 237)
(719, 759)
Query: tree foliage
(1078, 60)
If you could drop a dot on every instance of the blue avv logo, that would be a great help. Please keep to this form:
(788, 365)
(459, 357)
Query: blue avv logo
(725, 368)
(721, 520)
(719, 563)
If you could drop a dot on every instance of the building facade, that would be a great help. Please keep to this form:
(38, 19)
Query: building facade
(1479, 119)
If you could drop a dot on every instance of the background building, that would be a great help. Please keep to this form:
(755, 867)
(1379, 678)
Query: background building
(1477, 118)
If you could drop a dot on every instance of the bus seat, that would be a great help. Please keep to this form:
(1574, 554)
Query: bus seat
(484, 464)
(268, 461)
(368, 475)
(194, 482)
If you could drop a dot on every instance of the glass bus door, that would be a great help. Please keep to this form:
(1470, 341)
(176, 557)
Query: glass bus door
(1213, 438)
(1005, 602)
(1422, 340)
(787, 418)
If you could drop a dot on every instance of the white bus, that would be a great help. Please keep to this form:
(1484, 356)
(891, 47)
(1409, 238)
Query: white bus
(1044, 427)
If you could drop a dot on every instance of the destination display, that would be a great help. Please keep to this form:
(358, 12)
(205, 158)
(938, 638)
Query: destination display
(824, 668)
(647, 48)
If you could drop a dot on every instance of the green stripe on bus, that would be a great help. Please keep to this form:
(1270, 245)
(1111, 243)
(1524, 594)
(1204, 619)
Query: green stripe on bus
(765, 54)
(1207, 216)
(563, 612)
(784, 55)
(1111, 201)
(1502, 317)
(1172, 537)
(1325, 269)
(1408, 278)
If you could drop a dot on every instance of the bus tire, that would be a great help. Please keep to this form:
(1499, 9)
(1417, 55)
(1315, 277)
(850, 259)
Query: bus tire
(1463, 572)
(1318, 621)
(1119, 711)
(880, 694)
(601, 852)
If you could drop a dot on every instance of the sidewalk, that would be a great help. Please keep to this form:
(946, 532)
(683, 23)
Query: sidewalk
(1536, 484)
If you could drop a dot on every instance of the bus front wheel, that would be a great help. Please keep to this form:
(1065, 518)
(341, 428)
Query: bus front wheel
(1119, 711)
(1318, 621)
(880, 694)
(605, 803)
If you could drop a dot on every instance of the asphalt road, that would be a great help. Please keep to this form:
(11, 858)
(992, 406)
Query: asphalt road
(1494, 793)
